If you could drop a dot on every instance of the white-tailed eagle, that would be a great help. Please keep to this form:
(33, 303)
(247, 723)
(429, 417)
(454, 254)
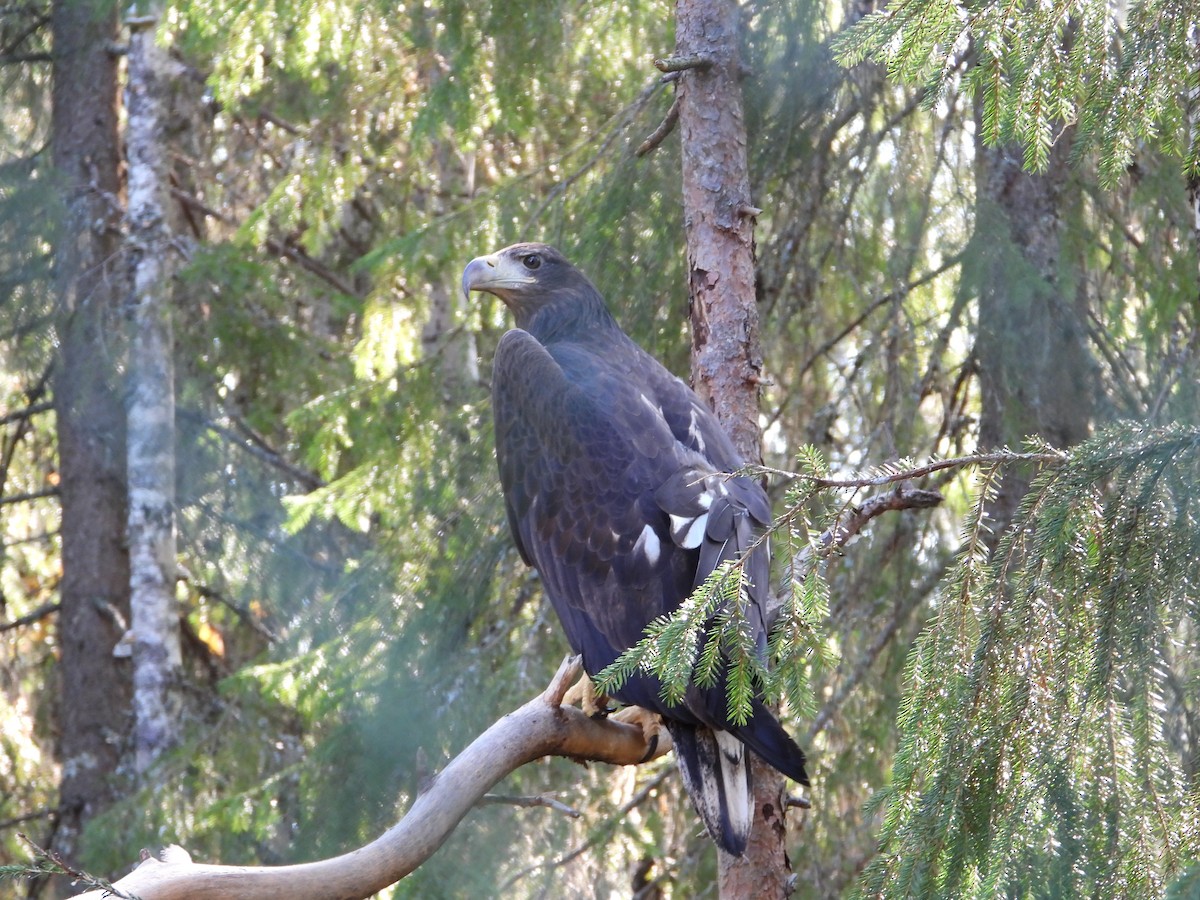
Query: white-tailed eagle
(614, 479)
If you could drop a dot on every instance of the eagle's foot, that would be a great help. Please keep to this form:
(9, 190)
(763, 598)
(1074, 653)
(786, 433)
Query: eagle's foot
(584, 694)
(653, 732)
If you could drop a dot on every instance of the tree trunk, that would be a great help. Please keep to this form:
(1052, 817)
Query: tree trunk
(1035, 371)
(154, 635)
(726, 354)
(93, 716)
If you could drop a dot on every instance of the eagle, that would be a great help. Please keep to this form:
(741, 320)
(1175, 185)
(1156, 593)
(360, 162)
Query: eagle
(617, 488)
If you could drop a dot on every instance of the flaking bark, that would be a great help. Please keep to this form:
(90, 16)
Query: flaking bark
(726, 351)
(726, 355)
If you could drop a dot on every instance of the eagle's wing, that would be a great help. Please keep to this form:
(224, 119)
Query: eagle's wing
(581, 454)
(612, 495)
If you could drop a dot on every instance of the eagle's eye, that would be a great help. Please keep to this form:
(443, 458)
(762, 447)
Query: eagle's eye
(532, 261)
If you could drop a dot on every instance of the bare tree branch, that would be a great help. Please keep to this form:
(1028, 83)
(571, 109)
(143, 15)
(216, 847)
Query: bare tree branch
(31, 495)
(48, 813)
(545, 800)
(32, 409)
(542, 727)
(635, 801)
(46, 609)
(852, 520)
(285, 248)
(256, 445)
(662, 131)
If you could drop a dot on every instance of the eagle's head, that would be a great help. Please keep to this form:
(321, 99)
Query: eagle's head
(536, 282)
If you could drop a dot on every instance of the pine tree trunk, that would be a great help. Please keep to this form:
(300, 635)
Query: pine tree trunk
(93, 716)
(726, 354)
(151, 405)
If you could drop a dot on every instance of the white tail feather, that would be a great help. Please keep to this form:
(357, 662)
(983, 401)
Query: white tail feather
(716, 774)
(733, 766)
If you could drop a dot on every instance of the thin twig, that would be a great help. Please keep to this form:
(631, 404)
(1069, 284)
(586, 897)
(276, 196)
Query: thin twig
(542, 800)
(1050, 457)
(305, 477)
(274, 245)
(46, 813)
(256, 446)
(637, 800)
(247, 617)
(620, 123)
(32, 495)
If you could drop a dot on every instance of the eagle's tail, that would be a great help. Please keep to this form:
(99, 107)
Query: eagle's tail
(765, 736)
(716, 774)
(716, 771)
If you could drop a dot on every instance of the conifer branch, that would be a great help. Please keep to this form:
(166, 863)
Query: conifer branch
(893, 474)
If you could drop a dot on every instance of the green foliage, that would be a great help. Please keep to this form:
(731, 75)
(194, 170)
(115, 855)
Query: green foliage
(710, 639)
(354, 603)
(1123, 75)
(1037, 751)
(707, 637)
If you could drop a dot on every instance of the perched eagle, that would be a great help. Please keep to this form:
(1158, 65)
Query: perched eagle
(612, 475)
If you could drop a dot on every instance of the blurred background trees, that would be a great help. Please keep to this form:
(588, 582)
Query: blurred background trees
(991, 710)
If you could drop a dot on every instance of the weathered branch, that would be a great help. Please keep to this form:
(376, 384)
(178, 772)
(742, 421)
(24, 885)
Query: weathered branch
(659, 134)
(542, 727)
(683, 63)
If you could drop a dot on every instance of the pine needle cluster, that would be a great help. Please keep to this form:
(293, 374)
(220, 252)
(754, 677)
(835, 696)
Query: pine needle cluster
(1044, 739)
(1122, 74)
(1043, 743)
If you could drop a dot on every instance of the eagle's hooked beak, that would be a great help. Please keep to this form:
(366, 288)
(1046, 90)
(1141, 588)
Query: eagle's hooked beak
(497, 274)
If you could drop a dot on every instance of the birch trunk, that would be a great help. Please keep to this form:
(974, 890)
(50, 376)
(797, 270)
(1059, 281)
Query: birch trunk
(154, 634)
(726, 352)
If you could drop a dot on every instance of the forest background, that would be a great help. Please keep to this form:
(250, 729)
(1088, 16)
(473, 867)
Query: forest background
(978, 231)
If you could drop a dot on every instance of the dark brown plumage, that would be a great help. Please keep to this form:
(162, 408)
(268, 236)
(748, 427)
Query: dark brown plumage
(612, 476)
